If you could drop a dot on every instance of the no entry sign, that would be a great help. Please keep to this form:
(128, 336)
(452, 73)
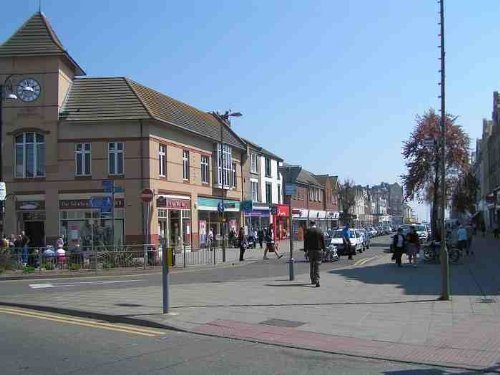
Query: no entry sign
(147, 195)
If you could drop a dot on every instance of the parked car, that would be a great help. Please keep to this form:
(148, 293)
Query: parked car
(356, 241)
(423, 233)
(373, 231)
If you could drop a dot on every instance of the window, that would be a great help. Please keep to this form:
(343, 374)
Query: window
(224, 166)
(255, 190)
(279, 193)
(253, 162)
(162, 160)
(115, 156)
(185, 165)
(233, 180)
(30, 155)
(269, 193)
(268, 167)
(311, 194)
(205, 171)
(82, 159)
(320, 195)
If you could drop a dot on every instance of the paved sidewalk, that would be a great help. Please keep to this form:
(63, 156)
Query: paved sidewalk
(373, 310)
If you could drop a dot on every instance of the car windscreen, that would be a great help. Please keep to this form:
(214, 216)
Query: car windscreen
(420, 228)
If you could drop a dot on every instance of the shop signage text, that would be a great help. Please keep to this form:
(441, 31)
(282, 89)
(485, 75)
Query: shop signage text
(30, 205)
(83, 204)
(176, 204)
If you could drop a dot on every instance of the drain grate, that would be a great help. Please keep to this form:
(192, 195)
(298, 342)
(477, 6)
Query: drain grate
(282, 323)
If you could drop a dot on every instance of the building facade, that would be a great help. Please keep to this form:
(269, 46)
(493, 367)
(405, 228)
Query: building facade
(263, 189)
(78, 151)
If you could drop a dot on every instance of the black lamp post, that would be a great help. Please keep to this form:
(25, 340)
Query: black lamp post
(11, 96)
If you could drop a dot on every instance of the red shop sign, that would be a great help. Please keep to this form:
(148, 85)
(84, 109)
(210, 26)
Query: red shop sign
(171, 203)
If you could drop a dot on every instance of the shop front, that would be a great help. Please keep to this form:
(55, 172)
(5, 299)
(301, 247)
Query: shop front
(281, 214)
(31, 218)
(320, 218)
(174, 221)
(210, 218)
(332, 219)
(257, 216)
(91, 222)
(299, 223)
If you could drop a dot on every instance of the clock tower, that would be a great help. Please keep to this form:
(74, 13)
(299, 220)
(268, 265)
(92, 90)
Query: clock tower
(36, 73)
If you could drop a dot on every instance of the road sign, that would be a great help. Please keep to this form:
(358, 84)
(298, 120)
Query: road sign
(247, 206)
(220, 207)
(3, 191)
(107, 185)
(428, 143)
(147, 195)
(290, 189)
(104, 203)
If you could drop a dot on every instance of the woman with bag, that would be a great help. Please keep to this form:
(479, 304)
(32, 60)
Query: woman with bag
(398, 245)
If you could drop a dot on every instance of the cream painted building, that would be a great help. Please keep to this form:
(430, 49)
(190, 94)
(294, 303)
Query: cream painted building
(67, 137)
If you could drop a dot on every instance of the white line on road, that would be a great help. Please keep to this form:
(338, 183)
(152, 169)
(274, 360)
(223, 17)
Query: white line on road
(78, 283)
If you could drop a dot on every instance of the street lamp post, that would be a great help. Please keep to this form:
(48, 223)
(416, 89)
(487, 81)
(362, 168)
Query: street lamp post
(6, 84)
(224, 120)
(445, 267)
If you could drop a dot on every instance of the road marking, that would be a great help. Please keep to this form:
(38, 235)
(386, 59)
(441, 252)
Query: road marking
(366, 260)
(79, 283)
(84, 322)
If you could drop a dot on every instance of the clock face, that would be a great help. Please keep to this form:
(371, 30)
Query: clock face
(28, 90)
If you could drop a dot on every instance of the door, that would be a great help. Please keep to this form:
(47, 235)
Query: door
(35, 230)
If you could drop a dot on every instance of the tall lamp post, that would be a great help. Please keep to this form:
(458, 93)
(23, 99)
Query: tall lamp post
(445, 267)
(224, 120)
(6, 85)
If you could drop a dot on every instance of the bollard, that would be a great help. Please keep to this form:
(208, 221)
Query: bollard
(165, 279)
(184, 246)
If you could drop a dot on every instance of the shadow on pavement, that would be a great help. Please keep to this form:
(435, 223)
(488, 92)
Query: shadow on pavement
(490, 370)
(280, 285)
(422, 280)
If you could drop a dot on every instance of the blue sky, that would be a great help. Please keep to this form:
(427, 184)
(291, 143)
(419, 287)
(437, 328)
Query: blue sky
(331, 85)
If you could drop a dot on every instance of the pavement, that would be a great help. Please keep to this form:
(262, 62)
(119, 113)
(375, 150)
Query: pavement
(368, 309)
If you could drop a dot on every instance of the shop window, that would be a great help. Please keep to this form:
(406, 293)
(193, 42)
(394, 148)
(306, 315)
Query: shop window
(83, 159)
(205, 170)
(115, 158)
(185, 165)
(30, 155)
(268, 167)
(253, 162)
(269, 193)
(162, 160)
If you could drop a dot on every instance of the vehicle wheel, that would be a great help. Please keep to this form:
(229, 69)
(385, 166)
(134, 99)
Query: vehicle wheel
(428, 254)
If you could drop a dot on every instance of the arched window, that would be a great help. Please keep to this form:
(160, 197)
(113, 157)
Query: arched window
(30, 155)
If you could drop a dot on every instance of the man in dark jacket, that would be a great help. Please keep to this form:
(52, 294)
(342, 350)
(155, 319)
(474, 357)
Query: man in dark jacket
(398, 244)
(314, 245)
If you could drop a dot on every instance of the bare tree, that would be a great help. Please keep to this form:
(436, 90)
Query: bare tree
(347, 198)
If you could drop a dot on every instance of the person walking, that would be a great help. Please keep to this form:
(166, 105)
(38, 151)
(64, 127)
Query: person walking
(413, 246)
(462, 239)
(346, 239)
(25, 240)
(398, 245)
(242, 243)
(260, 236)
(314, 245)
(211, 244)
(271, 246)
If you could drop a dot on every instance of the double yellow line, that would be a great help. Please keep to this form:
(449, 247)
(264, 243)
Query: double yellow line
(365, 260)
(82, 322)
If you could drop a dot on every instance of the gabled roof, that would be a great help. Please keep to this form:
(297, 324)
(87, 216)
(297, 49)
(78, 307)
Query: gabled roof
(36, 37)
(297, 174)
(262, 149)
(120, 98)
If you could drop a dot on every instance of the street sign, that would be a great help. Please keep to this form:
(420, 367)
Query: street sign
(3, 191)
(290, 189)
(147, 195)
(104, 203)
(247, 206)
(428, 143)
(220, 207)
(107, 185)
(274, 210)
